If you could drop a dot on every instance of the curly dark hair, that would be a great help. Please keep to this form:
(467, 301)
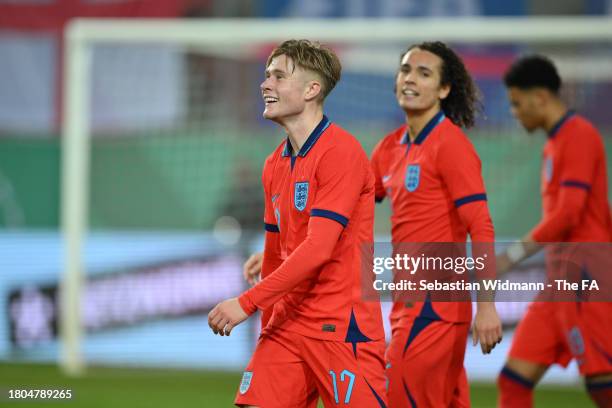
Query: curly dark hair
(533, 71)
(464, 99)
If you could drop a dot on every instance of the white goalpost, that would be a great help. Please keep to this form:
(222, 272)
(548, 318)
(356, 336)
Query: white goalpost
(225, 37)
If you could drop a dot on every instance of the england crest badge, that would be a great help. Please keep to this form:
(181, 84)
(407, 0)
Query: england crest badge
(413, 175)
(300, 195)
(247, 376)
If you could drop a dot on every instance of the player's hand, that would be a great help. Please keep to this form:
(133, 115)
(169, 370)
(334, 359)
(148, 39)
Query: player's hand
(251, 269)
(502, 264)
(225, 316)
(487, 328)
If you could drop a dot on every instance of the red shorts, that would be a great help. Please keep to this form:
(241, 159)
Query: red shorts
(291, 370)
(425, 364)
(554, 333)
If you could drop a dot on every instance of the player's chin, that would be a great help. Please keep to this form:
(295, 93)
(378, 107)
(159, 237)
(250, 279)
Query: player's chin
(402, 102)
(409, 105)
(269, 114)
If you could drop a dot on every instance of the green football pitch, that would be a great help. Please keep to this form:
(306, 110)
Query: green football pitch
(146, 388)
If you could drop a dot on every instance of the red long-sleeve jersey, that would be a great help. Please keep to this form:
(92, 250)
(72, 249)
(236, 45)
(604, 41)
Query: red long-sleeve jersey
(574, 185)
(319, 214)
(437, 195)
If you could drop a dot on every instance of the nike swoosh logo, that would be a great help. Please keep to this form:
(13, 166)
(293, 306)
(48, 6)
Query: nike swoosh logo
(386, 178)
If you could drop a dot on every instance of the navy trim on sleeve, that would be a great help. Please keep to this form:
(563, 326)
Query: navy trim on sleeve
(316, 212)
(470, 199)
(577, 184)
(271, 227)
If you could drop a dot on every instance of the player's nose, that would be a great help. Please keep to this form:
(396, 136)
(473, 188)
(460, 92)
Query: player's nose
(408, 78)
(265, 85)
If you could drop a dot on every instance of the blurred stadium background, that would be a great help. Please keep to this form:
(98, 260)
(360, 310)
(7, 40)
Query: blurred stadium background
(176, 148)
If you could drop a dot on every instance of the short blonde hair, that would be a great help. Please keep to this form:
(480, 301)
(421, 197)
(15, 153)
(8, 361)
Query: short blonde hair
(312, 56)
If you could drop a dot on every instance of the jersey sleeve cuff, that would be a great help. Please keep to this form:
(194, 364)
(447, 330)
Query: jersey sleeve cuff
(541, 234)
(247, 304)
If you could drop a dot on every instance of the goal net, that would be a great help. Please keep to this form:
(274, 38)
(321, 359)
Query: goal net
(163, 144)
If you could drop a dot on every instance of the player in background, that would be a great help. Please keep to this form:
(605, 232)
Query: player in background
(431, 173)
(575, 209)
(321, 339)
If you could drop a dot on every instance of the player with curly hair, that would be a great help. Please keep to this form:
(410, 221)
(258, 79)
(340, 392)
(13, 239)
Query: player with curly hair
(431, 173)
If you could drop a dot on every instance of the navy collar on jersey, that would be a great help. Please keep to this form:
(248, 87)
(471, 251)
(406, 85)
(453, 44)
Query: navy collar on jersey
(433, 122)
(553, 132)
(312, 139)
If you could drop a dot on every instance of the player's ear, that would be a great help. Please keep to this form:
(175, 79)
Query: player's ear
(313, 89)
(540, 96)
(444, 91)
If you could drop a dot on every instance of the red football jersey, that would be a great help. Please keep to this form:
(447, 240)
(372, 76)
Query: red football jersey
(574, 185)
(575, 208)
(330, 177)
(433, 183)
